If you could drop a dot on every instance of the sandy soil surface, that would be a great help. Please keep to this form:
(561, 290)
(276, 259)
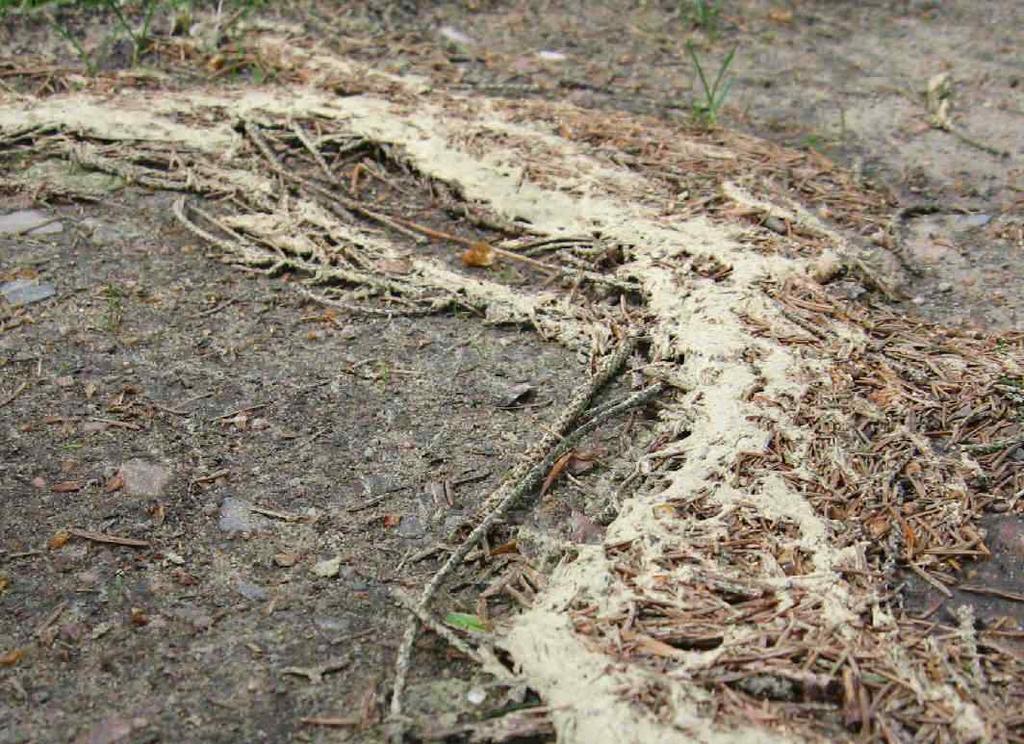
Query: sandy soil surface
(215, 486)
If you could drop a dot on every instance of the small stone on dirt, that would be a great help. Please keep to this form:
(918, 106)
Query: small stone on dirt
(974, 220)
(945, 287)
(29, 222)
(410, 526)
(236, 516)
(516, 395)
(25, 291)
(250, 590)
(328, 569)
(144, 479)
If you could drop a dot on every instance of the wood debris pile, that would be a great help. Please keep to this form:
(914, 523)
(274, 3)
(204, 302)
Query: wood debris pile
(814, 450)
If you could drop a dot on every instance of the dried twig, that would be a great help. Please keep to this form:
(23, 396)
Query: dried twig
(110, 539)
(13, 396)
(300, 133)
(410, 604)
(553, 445)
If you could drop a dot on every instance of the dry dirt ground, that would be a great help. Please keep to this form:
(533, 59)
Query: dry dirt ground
(276, 469)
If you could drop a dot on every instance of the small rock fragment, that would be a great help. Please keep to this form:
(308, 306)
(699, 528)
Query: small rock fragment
(328, 569)
(945, 287)
(236, 516)
(516, 394)
(410, 526)
(25, 291)
(250, 590)
(144, 479)
(975, 220)
(29, 222)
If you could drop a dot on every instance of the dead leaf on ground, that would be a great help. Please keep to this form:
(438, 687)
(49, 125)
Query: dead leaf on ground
(114, 484)
(66, 487)
(12, 657)
(505, 548)
(584, 460)
(556, 470)
(59, 540)
(391, 520)
(478, 255)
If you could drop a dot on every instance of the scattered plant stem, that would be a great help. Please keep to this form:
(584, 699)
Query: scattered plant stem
(705, 15)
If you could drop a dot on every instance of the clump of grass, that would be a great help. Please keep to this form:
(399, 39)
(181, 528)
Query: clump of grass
(705, 110)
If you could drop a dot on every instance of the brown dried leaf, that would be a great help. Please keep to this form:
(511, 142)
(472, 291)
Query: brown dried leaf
(139, 617)
(510, 547)
(478, 255)
(59, 540)
(12, 657)
(556, 470)
(583, 460)
(392, 520)
(114, 484)
(66, 487)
